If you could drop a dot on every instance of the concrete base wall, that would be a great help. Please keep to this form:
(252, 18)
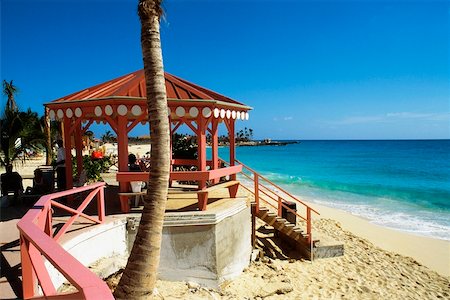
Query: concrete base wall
(205, 247)
(209, 253)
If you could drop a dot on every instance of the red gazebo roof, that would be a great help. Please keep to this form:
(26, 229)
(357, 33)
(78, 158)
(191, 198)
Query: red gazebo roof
(133, 86)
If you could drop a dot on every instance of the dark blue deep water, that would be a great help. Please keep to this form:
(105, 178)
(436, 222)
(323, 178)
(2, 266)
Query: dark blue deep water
(399, 184)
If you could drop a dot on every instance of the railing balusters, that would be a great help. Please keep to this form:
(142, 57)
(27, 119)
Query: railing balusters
(29, 281)
(255, 176)
(280, 206)
(308, 224)
(37, 242)
(278, 192)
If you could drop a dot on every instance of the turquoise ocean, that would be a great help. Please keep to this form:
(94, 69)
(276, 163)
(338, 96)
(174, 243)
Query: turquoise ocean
(404, 185)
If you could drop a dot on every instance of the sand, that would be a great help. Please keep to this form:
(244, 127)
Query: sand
(379, 263)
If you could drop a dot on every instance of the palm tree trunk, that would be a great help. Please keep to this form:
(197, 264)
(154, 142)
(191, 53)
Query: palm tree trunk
(139, 277)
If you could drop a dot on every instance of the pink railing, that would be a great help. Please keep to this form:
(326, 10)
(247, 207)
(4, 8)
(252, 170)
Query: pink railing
(38, 242)
(276, 198)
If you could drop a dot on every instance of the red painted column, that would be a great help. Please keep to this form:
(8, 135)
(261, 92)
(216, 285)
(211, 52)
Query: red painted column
(201, 140)
(79, 148)
(172, 132)
(215, 146)
(231, 134)
(68, 152)
(122, 153)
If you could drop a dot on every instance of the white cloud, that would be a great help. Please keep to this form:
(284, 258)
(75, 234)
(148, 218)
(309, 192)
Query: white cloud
(276, 119)
(393, 117)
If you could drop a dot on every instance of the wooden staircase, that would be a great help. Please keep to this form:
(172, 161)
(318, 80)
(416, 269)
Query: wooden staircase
(271, 202)
(297, 237)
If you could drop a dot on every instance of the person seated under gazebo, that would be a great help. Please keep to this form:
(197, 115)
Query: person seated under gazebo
(40, 184)
(11, 182)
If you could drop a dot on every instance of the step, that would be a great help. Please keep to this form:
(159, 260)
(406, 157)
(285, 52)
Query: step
(281, 220)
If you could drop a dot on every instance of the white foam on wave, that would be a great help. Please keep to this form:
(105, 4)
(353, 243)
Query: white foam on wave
(399, 217)
(386, 212)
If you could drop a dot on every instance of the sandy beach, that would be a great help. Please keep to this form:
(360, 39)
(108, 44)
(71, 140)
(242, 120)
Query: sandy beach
(379, 263)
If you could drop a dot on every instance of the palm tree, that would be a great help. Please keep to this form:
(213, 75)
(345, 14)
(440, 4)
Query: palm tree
(139, 277)
(108, 137)
(20, 131)
(9, 89)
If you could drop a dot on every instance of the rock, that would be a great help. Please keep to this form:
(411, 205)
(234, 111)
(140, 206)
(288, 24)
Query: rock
(274, 267)
(284, 290)
(255, 255)
(193, 285)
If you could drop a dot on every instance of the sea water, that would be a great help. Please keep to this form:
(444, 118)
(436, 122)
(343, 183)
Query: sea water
(404, 185)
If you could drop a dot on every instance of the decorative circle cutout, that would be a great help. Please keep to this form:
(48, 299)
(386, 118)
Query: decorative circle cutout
(216, 112)
(206, 112)
(238, 115)
(52, 114)
(233, 114)
(69, 113)
(193, 111)
(246, 116)
(180, 111)
(98, 111)
(60, 114)
(122, 110)
(228, 113)
(108, 110)
(222, 113)
(78, 112)
(136, 110)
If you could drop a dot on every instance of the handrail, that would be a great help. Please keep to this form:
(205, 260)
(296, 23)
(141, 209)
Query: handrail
(37, 241)
(260, 189)
(278, 187)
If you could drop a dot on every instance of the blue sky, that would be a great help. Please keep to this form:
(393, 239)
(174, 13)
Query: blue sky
(310, 69)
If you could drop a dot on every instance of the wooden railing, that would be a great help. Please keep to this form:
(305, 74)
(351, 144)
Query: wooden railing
(38, 243)
(275, 197)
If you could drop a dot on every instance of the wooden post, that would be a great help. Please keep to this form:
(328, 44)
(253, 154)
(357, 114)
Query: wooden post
(201, 140)
(48, 156)
(29, 281)
(122, 153)
(79, 148)
(256, 183)
(253, 207)
(280, 206)
(101, 203)
(68, 152)
(308, 224)
(215, 146)
(232, 137)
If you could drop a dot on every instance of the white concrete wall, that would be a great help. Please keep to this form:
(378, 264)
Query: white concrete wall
(204, 247)
(93, 244)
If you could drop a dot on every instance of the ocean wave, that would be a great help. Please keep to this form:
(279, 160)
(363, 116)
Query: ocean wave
(430, 198)
(388, 213)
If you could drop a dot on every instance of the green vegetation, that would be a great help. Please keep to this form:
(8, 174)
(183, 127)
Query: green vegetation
(93, 167)
(108, 137)
(21, 133)
(184, 146)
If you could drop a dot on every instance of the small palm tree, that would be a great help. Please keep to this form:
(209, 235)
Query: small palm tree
(9, 90)
(20, 131)
(108, 137)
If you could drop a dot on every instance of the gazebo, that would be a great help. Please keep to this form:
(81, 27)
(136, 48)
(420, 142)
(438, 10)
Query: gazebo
(121, 103)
